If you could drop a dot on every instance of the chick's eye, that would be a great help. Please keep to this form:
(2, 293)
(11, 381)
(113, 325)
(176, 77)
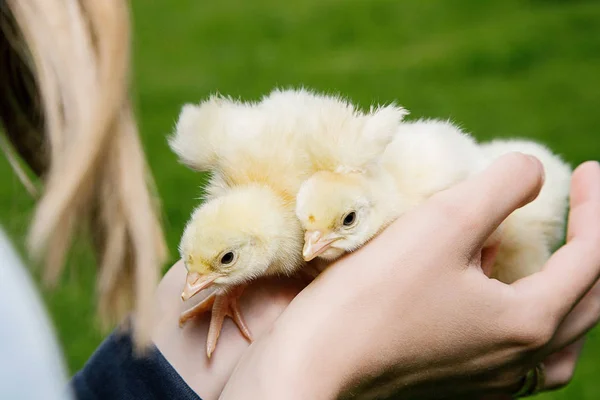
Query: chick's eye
(349, 219)
(227, 258)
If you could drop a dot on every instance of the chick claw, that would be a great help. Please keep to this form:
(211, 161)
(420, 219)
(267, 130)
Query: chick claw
(197, 310)
(223, 305)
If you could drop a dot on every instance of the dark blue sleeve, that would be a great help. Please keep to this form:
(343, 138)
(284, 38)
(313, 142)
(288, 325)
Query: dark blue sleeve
(114, 372)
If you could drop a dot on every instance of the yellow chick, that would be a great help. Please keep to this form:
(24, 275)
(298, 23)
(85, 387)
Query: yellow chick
(246, 226)
(340, 210)
(230, 240)
(258, 154)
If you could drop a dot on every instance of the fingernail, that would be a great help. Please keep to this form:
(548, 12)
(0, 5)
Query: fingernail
(540, 166)
(590, 164)
(533, 158)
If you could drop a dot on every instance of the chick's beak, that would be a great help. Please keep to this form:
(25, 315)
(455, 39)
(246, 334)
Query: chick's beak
(315, 243)
(195, 282)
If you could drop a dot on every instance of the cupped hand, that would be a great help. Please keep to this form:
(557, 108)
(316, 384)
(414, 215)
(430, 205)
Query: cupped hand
(413, 314)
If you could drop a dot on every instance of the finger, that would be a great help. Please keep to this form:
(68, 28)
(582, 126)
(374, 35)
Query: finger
(482, 202)
(585, 190)
(574, 268)
(561, 365)
(578, 322)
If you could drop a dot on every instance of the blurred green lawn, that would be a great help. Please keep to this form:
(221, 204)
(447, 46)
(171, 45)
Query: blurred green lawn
(499, 68)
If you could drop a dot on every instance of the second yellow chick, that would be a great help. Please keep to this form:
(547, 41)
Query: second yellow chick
(342, 211)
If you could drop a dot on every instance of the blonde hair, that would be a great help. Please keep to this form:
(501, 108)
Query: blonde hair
(66, 110)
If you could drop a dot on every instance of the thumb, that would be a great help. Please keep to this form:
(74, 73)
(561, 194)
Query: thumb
(477, 206)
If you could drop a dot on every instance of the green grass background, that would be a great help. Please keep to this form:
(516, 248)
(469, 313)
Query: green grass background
(499, 68)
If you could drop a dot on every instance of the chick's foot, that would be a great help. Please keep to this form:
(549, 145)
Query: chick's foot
(197, 310)
(223, 305)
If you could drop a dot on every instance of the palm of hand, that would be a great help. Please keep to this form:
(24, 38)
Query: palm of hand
(184, 348)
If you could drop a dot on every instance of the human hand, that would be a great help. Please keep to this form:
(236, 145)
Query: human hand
(423, 318)
(560, 366)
